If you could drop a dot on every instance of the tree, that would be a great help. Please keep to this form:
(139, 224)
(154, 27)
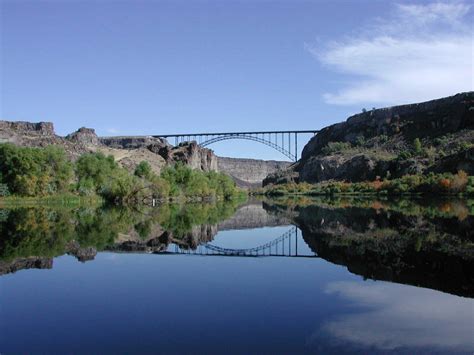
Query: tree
(143, 170)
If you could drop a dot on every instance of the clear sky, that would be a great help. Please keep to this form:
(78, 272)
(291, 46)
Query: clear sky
(156, 67)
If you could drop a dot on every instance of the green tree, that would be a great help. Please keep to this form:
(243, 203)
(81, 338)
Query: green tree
(34, 171)
(143, 170)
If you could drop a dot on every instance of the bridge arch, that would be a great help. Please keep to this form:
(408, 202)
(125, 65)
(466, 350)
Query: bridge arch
(267, 142)
(255, 251)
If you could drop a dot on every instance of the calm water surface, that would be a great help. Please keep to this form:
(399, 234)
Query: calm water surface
(320, 276)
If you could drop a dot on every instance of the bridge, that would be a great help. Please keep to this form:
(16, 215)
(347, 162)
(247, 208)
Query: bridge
(286, 245)
(285, 142)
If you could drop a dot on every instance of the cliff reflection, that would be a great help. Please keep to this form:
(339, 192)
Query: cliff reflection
(416, 242)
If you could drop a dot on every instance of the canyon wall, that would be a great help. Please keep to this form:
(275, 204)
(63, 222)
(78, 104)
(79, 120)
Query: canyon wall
(249, 172)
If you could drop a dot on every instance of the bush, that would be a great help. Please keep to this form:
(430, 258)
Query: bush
(183, 181)
(335, 147)
(143, 170)
(459, 182)
(360, 141)
(383, 138)
(404, 155)
(417, 147)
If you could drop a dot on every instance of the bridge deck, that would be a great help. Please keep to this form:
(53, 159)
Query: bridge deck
(231, 133)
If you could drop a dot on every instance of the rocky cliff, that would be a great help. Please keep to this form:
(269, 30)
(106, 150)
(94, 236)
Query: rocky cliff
(437, 135)
(128, 151)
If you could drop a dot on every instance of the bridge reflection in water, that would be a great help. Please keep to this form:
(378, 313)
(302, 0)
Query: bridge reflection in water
(285, 245)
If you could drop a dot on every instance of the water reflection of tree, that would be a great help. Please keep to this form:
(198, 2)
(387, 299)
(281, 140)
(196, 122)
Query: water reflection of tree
(48, 232)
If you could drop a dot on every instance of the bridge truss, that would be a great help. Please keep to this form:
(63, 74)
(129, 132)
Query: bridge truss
(285, 142)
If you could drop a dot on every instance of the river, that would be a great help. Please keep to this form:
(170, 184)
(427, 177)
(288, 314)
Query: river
(287, 276)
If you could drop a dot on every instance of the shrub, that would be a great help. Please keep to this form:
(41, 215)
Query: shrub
(404, 155)
(460, 181)
(143, 170)
(336, 147)
(184, 181)
(417, 147)
(360, 141)
(383, 138)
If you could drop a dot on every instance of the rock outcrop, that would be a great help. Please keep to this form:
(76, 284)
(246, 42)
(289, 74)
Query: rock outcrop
(134, 142)
(381, 142)
(84, 136)
(191, 154)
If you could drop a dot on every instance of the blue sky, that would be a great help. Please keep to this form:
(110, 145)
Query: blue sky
(156, 67)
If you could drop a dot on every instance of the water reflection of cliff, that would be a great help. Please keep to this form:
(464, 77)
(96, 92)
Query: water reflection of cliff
(422, 243)
(30, 237)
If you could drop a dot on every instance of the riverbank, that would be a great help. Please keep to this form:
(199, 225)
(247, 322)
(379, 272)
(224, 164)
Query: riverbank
(459, 184)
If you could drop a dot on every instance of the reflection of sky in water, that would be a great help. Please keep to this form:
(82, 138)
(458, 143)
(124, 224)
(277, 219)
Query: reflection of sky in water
(393, 316)
(248, 238)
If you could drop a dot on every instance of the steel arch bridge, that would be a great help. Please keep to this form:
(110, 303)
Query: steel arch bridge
(285, 142)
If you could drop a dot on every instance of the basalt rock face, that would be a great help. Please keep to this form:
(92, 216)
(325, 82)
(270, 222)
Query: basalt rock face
(191, 154)
(463, 160)
(28, 133)
(28, 128)
(373, 141)
(134, 142)
(428, 119)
